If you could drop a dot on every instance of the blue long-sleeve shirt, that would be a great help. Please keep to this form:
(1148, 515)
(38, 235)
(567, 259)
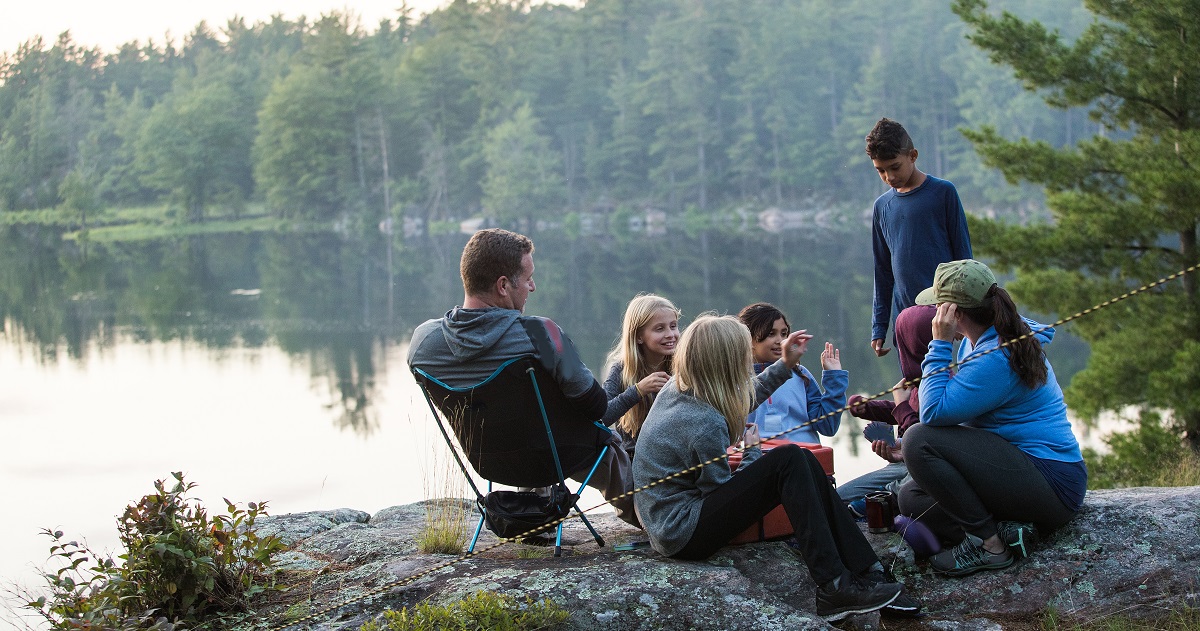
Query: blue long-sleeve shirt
(795, 403)
(911, 233)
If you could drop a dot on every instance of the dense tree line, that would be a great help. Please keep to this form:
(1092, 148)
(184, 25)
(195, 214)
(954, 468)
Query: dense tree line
(516, 111)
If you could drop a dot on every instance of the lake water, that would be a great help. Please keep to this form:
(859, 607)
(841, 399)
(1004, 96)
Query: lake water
(271, 367)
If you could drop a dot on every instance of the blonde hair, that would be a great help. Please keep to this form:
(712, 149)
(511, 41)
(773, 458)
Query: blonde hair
(629, 353)
(713, 363)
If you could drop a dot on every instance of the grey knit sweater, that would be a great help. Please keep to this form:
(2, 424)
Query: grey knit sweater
(682, 431)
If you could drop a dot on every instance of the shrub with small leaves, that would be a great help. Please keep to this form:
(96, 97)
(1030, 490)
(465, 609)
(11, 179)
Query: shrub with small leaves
(180, 567)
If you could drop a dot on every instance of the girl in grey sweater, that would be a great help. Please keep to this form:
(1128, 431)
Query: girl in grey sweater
(700, 412)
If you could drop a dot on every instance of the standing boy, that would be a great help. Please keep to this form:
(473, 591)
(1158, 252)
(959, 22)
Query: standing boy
(915, 226)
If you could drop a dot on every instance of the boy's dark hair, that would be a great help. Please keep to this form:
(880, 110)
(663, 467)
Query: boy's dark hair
(490, 254)
(888, 140)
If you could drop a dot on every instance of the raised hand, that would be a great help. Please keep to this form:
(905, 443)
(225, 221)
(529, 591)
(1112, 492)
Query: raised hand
(831, 358)
(795, 346)
(945, 322)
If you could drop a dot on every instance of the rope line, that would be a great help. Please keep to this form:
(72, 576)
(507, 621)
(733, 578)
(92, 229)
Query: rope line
(725, 456)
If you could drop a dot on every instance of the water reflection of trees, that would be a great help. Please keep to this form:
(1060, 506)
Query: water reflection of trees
(324, 298)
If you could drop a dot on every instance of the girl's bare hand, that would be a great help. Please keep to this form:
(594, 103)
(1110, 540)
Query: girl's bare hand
(652, 383)
(795, 346)
(831, 358)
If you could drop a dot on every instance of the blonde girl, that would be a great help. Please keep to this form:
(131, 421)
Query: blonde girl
(640, 363)
(701, 412)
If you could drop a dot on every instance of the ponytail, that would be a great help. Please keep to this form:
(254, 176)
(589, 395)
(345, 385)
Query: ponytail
(1025, 356)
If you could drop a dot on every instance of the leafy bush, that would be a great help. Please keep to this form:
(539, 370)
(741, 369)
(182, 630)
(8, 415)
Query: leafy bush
(179, 567)
(481, 610)
(1151, 455)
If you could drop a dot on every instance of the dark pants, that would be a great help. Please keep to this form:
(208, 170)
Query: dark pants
(829, 539)
(967, 479)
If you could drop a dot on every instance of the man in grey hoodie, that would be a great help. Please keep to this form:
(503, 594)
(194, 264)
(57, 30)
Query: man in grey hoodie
(470, 342)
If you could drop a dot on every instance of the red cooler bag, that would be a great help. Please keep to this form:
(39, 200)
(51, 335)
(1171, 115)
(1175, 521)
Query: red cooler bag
(775, 524)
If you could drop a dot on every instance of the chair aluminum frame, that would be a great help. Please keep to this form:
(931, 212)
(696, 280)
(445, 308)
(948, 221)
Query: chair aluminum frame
(455, 447)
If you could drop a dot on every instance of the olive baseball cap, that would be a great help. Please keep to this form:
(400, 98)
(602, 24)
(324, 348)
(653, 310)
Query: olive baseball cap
(965, 283)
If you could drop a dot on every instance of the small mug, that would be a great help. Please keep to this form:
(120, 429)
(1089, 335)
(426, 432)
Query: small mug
(881, 512)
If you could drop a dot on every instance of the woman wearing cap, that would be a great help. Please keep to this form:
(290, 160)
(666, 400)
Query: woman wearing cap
(993, 459)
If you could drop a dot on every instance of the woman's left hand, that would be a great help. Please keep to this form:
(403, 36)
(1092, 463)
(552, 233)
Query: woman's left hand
(831, 358)
(901, 392)
(945, 322)
(795, 346)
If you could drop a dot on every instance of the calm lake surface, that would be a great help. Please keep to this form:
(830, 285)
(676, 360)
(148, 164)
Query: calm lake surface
(271, 367)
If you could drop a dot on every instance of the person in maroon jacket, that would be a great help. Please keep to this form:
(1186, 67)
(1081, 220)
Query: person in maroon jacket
(913, 333)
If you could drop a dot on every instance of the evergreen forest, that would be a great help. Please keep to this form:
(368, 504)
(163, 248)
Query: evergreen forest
(515, 111)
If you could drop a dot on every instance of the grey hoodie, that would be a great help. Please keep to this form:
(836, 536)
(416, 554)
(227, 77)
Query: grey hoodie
(467, 345)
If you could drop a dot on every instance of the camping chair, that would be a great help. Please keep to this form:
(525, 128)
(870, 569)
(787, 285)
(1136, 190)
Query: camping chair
(516, 428)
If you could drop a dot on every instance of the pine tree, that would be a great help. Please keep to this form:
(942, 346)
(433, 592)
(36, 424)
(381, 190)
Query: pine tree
(1124, 203)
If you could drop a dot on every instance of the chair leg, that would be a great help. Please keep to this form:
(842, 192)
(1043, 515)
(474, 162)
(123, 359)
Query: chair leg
(478, 529)
(558, 541)
(599, 539)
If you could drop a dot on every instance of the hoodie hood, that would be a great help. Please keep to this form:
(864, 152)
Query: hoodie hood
(471, 332)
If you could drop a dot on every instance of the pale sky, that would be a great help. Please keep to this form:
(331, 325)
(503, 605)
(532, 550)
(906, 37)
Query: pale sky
(109, 24)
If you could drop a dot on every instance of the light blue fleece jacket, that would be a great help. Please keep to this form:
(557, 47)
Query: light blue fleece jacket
(795, 403)
(680, 432)
(985, 393)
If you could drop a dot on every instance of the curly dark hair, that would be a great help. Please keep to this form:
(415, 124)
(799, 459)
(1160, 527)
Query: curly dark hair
(888, 140)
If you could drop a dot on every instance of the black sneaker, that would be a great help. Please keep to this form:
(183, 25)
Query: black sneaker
(1020, 537)
(904, 606)
(969, 557)
(854, 596)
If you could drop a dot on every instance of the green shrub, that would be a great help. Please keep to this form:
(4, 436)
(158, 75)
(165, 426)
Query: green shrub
(481, 610)
(179, 566)
(1151, 455)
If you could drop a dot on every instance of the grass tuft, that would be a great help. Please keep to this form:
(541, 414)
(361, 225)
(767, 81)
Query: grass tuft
(1183, 619)
(481, 610)
(446, 513)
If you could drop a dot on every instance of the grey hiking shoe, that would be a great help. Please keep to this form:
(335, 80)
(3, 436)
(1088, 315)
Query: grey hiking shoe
(1020, 537)
(969, 557)
(904, 606)
(854, 596)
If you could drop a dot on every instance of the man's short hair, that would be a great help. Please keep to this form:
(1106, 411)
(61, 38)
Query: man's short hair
(887, 140)
(490, 254)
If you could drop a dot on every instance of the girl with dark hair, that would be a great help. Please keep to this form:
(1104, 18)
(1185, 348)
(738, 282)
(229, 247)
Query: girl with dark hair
(799, 399)
(993, 460)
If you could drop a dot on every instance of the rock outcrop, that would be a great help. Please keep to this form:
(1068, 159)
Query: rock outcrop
(1132, 551)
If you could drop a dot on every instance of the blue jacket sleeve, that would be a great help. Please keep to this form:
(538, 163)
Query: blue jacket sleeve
(885, 281)
(981, 385)
(834, 399)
